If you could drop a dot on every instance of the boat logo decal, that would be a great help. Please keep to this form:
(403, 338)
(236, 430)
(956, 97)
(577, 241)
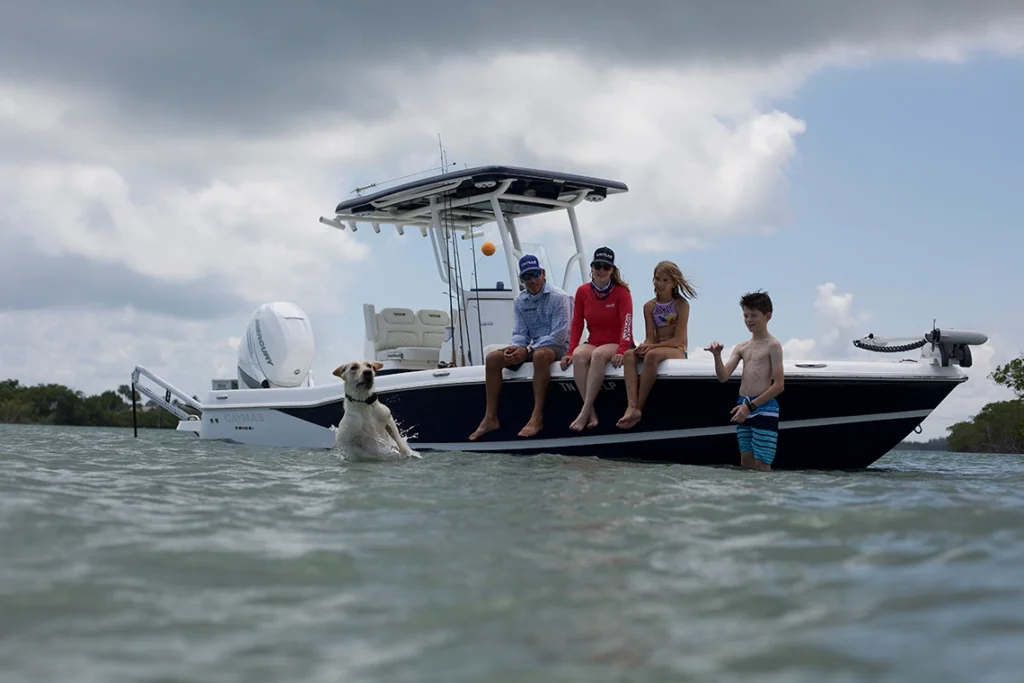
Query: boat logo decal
(243, 417)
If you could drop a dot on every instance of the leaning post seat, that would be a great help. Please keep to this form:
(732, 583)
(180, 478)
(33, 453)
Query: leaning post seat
(404, 335)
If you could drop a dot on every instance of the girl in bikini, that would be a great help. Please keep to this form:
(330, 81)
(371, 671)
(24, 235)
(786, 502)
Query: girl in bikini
(665, 317)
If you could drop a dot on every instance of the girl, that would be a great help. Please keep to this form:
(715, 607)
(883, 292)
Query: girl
(665, 317)
(607, 307)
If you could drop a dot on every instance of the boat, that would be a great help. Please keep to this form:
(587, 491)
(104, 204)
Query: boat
(835, 414)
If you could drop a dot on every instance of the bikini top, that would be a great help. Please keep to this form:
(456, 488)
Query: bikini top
(664, 314)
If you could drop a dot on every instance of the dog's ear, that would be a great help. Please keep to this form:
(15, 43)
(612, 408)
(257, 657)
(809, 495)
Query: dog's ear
(340, 370)
(376, 366)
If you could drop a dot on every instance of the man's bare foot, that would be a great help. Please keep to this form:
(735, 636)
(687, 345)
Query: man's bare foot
(580, 422)
(629, 418)
(488, 424)
(533, 426)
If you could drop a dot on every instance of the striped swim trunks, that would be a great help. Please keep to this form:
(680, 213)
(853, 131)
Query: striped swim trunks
(759, 433)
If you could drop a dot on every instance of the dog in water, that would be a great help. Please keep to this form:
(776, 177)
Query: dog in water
(367, 431)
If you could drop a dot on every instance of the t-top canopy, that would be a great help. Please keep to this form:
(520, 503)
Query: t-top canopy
(464, 198)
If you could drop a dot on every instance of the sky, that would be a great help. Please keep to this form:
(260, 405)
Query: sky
(163, 166)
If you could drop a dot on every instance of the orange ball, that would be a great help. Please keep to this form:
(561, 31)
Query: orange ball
(488, 248)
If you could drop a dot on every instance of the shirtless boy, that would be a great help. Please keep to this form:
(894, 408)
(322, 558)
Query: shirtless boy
(756, 411)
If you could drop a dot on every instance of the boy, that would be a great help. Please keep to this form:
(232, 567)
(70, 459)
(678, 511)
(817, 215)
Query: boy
(756, 412)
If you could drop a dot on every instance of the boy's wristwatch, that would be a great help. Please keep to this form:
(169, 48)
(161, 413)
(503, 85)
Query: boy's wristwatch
(750, 404)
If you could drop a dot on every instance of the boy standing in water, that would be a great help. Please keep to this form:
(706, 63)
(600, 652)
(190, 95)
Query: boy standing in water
(756, 412)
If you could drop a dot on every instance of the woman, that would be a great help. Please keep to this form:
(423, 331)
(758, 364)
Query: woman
(606, 305)
(665, 317)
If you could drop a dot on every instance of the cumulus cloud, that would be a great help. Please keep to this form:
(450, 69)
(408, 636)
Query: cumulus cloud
(247, 238)
(247, 66)
(836, 323)
(798, 349)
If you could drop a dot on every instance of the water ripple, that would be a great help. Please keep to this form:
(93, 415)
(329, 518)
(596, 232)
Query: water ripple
(163, 558)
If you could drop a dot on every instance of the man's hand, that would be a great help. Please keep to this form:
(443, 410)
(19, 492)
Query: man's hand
(739, 412)
(715, 348)
(515, 354)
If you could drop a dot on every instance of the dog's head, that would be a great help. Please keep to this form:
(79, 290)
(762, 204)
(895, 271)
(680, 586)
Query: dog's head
(358, 377)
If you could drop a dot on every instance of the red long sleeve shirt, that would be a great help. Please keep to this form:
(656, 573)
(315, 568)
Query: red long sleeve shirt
(609, 320)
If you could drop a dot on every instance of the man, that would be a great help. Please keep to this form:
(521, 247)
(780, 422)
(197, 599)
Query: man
(540, 335)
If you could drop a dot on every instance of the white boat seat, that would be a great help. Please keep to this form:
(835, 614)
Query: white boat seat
(416, 354)
(404, 334)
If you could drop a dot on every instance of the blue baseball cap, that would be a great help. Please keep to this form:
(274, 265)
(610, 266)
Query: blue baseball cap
(527, 263)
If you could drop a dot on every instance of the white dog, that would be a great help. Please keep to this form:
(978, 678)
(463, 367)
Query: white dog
(367, 430)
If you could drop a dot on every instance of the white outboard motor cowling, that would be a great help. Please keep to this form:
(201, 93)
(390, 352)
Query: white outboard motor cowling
(277, 350)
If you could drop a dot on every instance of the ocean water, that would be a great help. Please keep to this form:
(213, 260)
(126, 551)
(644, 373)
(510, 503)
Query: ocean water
(165, 559)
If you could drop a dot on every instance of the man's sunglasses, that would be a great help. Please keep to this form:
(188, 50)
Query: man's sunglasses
(529, 275)
(600, 266)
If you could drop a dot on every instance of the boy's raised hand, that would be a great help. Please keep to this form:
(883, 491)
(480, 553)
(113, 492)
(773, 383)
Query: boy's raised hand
(715, 348)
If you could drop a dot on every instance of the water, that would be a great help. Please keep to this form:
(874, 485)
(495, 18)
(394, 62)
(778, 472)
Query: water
(167, 559)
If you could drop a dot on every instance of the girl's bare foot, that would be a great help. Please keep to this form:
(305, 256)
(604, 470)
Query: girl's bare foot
(629, 418)
(582, 421)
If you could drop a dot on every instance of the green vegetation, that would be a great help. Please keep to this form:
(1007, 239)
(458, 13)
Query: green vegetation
(999, 427)
(58, 405)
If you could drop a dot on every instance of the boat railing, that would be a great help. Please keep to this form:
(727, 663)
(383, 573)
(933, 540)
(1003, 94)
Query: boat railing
(164, 401)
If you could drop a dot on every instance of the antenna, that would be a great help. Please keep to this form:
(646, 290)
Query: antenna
(444, 156)
(443, 168)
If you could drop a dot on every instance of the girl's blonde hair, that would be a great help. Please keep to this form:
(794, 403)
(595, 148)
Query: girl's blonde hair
(681, 288)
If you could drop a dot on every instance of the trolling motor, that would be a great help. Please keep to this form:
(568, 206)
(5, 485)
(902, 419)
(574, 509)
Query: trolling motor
(948, 345)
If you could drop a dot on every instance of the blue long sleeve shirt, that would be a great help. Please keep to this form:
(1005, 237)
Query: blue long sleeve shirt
(542, 319)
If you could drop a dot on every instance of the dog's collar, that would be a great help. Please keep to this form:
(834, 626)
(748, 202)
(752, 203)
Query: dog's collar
(372, 398)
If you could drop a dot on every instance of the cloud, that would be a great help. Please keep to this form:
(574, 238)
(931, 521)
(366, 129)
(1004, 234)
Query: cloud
(798, 349)
(31, 280)
(245, 239)
(835, 314)
(836, 324)
(260, 65)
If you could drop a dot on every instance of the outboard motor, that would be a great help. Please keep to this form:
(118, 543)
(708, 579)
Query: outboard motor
(277, 350)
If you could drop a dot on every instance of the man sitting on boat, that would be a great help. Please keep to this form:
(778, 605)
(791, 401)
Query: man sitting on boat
(540, 335)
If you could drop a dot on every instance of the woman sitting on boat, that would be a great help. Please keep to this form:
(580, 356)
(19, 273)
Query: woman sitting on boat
(665, 317)
(606, 305)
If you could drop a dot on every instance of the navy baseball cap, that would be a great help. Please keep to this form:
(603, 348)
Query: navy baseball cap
(527, 263)
(604, 255)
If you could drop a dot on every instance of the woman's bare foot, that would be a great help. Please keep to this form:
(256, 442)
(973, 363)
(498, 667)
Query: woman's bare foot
(592, 422)
(629, 418)
(488, 424)
(535, 424)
